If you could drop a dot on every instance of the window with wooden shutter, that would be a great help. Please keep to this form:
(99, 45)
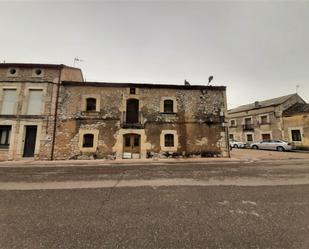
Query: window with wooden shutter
(9, 101)
(35, 102)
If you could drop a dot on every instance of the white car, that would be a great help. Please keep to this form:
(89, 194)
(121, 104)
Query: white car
(237, 144)
(278, 145)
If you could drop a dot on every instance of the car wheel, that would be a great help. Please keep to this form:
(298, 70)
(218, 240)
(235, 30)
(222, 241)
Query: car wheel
(255, 147)
(235, 146)
(280, 148)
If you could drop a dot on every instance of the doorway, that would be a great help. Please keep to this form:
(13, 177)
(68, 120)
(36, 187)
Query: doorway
(131, 146)
(30, 139)
(132, 111)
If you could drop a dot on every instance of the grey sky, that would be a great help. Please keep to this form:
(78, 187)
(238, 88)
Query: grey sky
(259, 50)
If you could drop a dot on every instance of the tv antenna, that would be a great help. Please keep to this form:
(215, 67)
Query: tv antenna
(76, 59)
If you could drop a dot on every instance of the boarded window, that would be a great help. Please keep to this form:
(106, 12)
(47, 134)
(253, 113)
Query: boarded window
(35, 102)
(168, 106)
(296, 135)
(88, 140)
(91, 104)
(5, 133)
(169, 140)
(9, 100)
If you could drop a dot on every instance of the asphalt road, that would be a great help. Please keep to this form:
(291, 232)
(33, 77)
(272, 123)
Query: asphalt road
(157, 216)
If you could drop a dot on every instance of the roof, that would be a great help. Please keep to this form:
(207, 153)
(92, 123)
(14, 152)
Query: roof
(143, 85)
(295, 109)
(34, 65)
(261, 104)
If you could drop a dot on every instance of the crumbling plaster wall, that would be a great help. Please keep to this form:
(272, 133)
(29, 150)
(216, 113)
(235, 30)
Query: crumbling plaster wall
(197, 122)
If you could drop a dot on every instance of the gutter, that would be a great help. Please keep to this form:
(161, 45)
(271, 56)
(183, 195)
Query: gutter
(56, 115)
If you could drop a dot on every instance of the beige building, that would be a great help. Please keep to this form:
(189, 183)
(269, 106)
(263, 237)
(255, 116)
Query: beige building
(262, 120)
(28, 104)
(48, 112)
(296, 125)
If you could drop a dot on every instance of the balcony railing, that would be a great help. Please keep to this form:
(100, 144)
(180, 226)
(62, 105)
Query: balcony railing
(248, 127)
(132, 122)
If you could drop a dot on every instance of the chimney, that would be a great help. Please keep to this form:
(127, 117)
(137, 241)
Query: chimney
(256, 104)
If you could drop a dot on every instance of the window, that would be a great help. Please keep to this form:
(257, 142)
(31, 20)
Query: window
(264, 119)
(38, 72)
(91, 104)
(5, 133)
(132, 90)
(9, 99)
(169, 140)
(249, 138)
(233, 123)
(35, 102)
(266, 137)
(88, 140)
(168, 106)
(127, 141)
(296, 135)
(136, 141)
(231, 136)
(12, 72)
(248, 121)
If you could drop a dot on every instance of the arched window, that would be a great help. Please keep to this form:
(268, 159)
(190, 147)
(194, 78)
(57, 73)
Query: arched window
(169, 140)
(88, 140)
(91, 104)
(168, 106)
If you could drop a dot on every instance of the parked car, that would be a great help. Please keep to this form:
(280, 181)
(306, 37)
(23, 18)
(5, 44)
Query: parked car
(237, 144)
(272, 145)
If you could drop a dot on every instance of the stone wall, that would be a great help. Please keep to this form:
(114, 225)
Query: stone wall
(197, 123)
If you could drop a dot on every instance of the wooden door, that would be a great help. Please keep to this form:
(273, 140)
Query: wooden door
(131, 145)
(30, 139)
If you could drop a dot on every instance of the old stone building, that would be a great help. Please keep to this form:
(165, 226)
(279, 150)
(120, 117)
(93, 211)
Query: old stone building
(28, 107)
(48, 112)
(114, 120)
(296, 125)
(262, 120)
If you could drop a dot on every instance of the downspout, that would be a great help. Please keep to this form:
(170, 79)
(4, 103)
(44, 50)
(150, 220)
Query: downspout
(56, 115)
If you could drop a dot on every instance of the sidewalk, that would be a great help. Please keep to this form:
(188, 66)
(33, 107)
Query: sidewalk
(237, 155)
(103, 162)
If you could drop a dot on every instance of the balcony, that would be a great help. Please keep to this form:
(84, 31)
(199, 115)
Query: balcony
(248, 127)
(132, 121)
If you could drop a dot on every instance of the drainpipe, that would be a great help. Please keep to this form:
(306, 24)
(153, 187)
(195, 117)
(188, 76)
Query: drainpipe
(56, 114)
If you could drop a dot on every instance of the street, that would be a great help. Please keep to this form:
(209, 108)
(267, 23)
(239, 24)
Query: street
(227, 204)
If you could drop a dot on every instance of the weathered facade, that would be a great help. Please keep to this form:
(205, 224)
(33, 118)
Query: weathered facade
(28, 104)
(112, 120)
(296, 125)
(48, 112)
(260, 120)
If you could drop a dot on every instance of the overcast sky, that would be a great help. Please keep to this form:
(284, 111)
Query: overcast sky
(259, 50)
